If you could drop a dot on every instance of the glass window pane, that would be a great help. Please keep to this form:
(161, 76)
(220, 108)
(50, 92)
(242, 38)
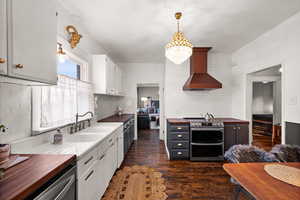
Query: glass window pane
(68, 68)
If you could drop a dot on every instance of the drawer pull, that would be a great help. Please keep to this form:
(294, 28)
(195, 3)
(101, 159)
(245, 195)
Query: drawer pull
(180, 136)
(2, 60)
(91, 158)
(179, 153)
(179, 144)
(19, 66)
(89, 175)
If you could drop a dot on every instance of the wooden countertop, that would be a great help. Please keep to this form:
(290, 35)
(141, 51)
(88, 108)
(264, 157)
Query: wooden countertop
(261, 185)
(116, 118)
(25, 178)
(225, 121)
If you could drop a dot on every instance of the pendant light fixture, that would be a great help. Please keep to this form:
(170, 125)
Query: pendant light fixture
(179, 48)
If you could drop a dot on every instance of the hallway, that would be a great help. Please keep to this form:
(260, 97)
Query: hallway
(185, 180)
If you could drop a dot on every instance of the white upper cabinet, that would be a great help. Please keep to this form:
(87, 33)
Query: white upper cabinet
(107, 77)
(3, 39)
(118, 82)
(32, 36)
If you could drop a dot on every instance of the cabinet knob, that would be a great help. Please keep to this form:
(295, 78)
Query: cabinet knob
(2, 60)
(179, 128)
(19, 66)
(239, 128)
(180, 136)
(179, 153)
(179, 144)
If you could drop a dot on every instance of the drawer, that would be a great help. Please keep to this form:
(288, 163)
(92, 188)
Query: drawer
(179, 145)
(179, 154)
(179, 136)
(179, 128)
(87, 161)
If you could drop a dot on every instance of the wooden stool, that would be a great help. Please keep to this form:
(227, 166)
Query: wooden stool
(276, 135)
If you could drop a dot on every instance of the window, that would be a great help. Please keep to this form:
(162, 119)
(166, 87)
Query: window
(55, 106)
(72, 66)
(69, 68)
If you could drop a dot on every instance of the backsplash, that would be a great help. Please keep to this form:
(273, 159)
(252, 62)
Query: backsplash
(106, 105)
(15, 111)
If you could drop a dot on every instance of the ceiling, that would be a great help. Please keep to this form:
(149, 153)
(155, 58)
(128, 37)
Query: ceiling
(137, 30)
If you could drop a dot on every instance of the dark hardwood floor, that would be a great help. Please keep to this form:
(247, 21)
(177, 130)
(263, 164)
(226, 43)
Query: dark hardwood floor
(185, 180)
(262, 141)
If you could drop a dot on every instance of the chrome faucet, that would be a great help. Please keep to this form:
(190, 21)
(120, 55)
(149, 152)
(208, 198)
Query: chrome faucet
(77, 117)
(209, 116)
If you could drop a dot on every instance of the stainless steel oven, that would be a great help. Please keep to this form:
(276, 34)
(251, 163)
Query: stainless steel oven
(207, 143)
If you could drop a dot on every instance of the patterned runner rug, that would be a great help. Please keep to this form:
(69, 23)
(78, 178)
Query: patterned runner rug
(136, 183)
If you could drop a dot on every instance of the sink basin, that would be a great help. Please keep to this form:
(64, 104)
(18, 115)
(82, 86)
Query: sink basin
(83, 138)
(98, 129)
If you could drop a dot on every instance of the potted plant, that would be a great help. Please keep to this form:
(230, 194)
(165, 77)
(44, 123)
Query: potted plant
(4, 148)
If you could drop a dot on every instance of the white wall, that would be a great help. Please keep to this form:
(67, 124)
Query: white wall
(278, 46)
(179, 103)
(135, 74)
(15, 100)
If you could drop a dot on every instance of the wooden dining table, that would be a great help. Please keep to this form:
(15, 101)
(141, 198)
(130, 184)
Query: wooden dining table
(253, 178)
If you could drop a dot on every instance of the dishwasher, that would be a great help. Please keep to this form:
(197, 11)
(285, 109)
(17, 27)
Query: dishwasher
(62, 187)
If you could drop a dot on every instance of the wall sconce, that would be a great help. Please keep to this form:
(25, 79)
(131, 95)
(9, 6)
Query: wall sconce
(62, 56)
(74, 37)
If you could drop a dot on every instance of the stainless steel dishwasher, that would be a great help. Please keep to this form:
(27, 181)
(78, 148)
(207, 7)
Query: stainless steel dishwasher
(61, 188)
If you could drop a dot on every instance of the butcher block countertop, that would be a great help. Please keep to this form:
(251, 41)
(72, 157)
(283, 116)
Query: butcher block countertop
(225, 121)
(116, 118)
(25, 178)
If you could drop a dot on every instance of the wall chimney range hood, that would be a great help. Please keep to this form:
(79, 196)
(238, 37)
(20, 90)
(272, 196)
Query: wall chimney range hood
(199, 78)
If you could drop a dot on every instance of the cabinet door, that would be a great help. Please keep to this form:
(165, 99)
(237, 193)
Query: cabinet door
(101, 180)
(106, 169)
(229, 136)
(32, 40)
(3, 39)
(118, 80)
(109, 76)
(242, 134)
(88, 182)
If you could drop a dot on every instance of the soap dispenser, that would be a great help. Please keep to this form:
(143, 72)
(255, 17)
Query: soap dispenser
(57, 137)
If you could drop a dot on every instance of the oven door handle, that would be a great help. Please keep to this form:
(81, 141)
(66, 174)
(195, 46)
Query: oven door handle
(53, 189)
(207, 129)
(206, 144)
(66, 188)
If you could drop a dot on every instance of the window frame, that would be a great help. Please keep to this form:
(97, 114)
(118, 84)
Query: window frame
(84, 66)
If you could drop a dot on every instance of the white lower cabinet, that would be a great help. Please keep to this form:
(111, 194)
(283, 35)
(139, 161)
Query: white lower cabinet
(88, 184)
(97, 167)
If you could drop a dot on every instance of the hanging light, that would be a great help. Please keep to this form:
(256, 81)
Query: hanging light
(179, 48)
(62, 56)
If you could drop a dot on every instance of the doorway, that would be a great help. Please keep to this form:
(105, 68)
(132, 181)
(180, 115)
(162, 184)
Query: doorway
(266, 107)
(148, 109)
